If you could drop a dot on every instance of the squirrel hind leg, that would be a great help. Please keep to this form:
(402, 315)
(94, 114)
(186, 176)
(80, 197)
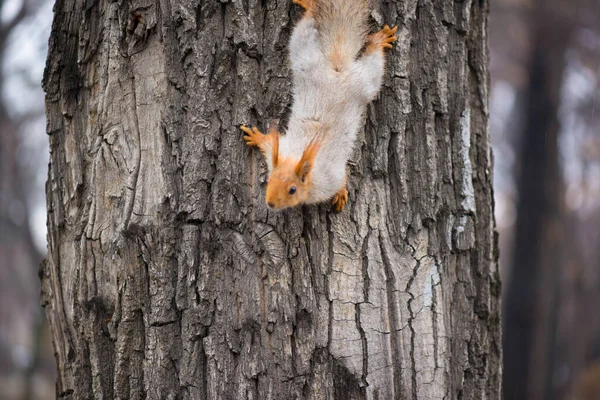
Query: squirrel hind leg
(340, 199)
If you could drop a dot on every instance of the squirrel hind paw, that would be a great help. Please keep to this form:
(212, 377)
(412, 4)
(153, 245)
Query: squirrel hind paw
(340, 199)
(383, 39)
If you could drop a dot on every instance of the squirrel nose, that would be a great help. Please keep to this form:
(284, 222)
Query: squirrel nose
(271, 205)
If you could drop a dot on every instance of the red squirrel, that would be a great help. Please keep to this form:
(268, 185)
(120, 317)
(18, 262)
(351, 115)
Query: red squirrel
(332, 86)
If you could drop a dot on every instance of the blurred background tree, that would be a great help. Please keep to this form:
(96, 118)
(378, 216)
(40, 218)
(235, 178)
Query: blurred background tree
(545, 64)
(26, 361)
(545, 68)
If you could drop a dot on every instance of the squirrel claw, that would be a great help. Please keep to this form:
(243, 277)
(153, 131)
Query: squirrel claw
(253, 137)
(340, 199)
(382, 39)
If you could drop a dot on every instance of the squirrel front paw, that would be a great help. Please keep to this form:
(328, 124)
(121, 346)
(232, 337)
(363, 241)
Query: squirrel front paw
(382, 40)
(340, 199)
(252, 136)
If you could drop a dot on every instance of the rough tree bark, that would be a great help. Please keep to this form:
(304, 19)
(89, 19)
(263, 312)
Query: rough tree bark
(168, 277)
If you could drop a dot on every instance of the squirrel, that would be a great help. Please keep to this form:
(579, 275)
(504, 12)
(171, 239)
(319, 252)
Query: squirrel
(337, 71)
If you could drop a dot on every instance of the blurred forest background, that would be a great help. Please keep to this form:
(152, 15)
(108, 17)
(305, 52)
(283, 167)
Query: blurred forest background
(545, 126)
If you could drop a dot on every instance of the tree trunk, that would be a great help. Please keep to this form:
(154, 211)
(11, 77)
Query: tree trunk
(532, 296)
(167, 275)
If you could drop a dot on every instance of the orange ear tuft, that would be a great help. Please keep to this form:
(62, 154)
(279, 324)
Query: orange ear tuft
(275, 147)
(306, 162)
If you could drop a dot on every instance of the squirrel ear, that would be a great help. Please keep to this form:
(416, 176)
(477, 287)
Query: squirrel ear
(275, 147)
(306, 162)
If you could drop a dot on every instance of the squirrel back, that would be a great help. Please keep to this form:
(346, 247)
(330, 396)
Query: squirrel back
(343, 27)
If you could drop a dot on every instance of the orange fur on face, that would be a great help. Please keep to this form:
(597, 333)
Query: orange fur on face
(290, 183)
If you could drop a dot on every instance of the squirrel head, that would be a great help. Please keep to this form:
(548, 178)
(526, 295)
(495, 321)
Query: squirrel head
(290, 182)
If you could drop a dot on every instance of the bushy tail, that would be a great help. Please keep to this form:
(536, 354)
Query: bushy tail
(342, 25)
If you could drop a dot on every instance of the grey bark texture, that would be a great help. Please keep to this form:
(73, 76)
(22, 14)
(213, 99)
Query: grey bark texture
(168, 277)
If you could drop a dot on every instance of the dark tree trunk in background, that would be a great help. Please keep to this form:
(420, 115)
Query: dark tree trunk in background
(21, 320)
(531, 304)
(19, 261)
(167, 276)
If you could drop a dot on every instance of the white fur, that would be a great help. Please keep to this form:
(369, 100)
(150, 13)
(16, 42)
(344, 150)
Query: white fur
(329, 104)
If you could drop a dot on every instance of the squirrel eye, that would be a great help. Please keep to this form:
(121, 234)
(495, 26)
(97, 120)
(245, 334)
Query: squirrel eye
(292, 190)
